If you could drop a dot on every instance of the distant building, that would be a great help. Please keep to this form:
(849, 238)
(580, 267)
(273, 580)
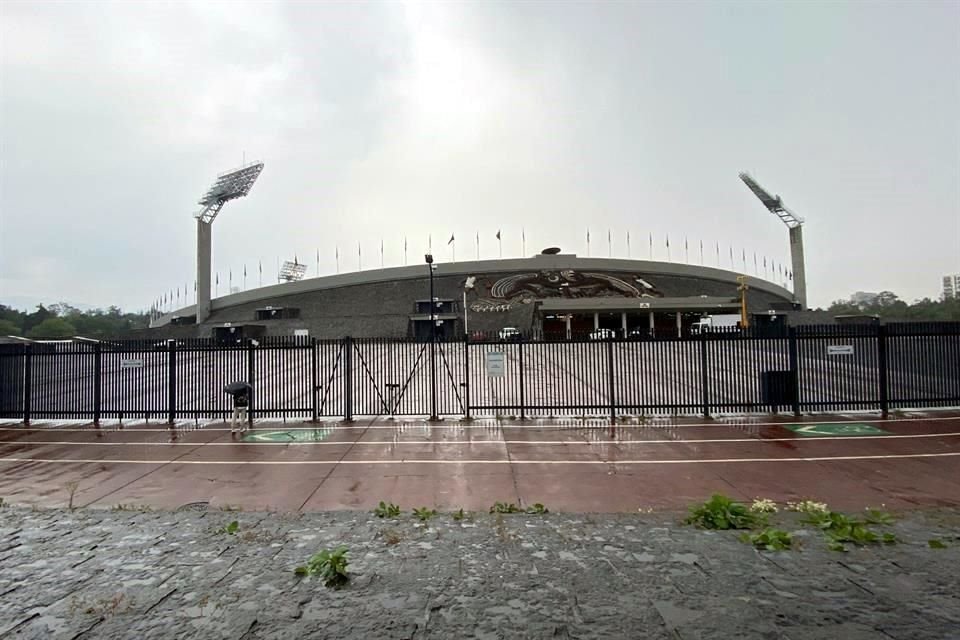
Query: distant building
(864, 298)
(951, 286)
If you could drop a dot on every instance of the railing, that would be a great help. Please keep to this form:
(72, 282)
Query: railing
(799, 369)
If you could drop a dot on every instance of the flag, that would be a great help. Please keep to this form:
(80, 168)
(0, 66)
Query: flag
(450, 241)
(523, 234)
(498, 234)
(260, 263)
(668, 241)
(218, 277)
(245, 270)
(295, 259)
(588, 236)
(194, 286)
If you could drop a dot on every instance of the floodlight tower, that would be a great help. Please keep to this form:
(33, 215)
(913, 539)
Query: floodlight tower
(795, 224)
(228, 186)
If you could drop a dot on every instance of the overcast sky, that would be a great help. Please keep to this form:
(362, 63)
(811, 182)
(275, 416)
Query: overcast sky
(386, 121)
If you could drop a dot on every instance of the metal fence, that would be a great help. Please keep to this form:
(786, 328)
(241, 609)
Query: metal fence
(803, 369)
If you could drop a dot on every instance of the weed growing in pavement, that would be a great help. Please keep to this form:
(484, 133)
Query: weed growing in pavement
(72, 488)
(934, 543)
(457, 515)
(763, 505)
(1, 504)
(537, 509)
(424, 514)
(230, 507)
(502, 507)
(720, 512)
(769, 540)
(386, 510)
(391, 537)
(878, 516)
(501, 528)
(808, 506)
(230, 529)
(331, 565)
(841, 530)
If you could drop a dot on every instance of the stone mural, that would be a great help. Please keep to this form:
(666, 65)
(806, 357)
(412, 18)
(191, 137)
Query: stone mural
(524, 288)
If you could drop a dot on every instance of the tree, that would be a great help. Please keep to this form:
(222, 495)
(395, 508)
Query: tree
(53, 328)
(7, 328)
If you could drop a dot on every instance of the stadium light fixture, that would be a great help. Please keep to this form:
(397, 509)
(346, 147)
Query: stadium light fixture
(774, 205)
(228, 186)
(292, 271)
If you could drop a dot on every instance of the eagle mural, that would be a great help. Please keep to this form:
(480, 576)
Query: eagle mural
(527, 287)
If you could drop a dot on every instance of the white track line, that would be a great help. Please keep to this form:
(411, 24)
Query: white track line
(480, 462)
(476, 442)
(404, 426)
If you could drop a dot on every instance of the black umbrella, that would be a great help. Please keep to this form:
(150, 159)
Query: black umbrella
(235, 388)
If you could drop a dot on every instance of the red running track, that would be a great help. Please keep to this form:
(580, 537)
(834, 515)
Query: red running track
(576, 465)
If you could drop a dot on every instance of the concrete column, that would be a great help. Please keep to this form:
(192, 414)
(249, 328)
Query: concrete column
(799, 271)
(623, 322)
(679, 324)
(596, 320)
(204, 251)
(569, 315)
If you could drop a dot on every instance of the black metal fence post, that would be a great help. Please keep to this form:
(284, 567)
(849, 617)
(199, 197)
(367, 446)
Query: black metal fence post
(348, 379)
(171, 380)
(882, 369)
(97, 383)
(27, 375)
(794, 359)
(704, 378)
(523, 414)
(250, 376)
(466, 377)
(313, 378)
(610, 392)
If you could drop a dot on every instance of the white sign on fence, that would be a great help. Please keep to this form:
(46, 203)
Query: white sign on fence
(131, 363)
(840, 350)
(496, 363)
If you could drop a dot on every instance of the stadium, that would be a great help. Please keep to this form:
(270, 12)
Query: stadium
(547, 296)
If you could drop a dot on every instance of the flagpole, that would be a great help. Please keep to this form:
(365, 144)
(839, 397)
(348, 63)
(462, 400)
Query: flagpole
(381, 253)
(651, 245)
(609, 243)
(701, 253)
(523, 242)
(359, 258)
(478, 247)
(588, 243)
(628, 245)
(669, 259)
(404, 250)
(338, 259)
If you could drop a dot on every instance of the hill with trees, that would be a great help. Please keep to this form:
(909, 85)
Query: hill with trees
(63, 321)
(890, 307)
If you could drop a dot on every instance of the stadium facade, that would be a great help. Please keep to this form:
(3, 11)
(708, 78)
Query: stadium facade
(545, 296)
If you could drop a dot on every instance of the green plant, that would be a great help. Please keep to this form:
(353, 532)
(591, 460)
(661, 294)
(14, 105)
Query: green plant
(537, 509)
(877, 516)
(1, 504)
(457, 515)
(424, 514)
(720, 512)
(763, 505)
(331, 565)
(769, 540)
(230, 529)
(808, 506)
(501, 507)
(841, 529)
(386, 510)
(936, 544)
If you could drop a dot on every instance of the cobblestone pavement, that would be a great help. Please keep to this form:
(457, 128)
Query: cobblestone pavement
(141, 574)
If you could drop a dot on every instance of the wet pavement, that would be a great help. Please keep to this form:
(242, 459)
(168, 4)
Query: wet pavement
(575, 465)
(118, 574)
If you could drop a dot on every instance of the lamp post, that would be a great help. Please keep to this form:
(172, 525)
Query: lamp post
(466, 287)
(433, 342)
